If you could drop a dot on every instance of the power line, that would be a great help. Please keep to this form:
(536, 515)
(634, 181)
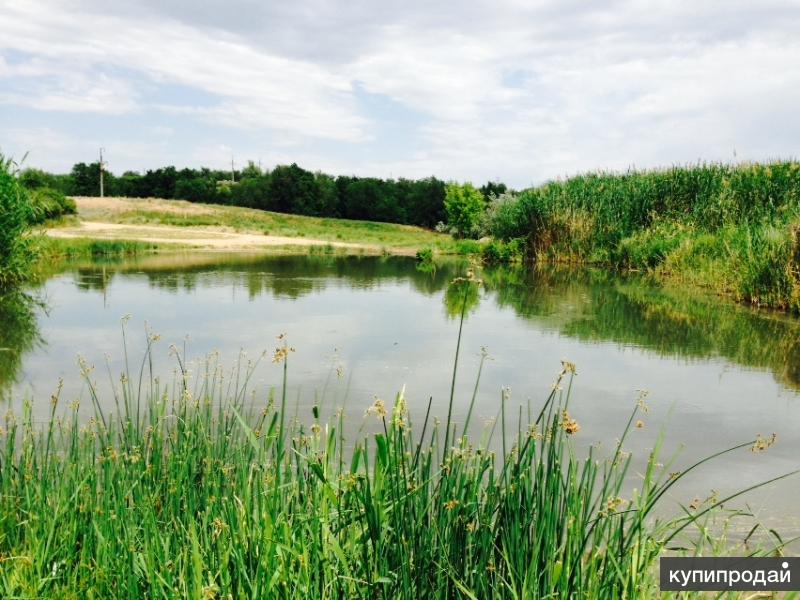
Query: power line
(102, 168)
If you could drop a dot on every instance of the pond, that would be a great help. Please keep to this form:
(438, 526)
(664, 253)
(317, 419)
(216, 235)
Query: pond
(717, 374)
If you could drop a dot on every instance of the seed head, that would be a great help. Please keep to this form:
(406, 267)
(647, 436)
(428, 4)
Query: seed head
(762, 444)
(569, 425)
(378, 408)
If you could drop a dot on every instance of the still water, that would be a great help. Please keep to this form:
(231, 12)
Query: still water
(716, 374)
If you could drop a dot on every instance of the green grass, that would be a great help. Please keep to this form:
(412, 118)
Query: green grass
(194, 488)
(71, 248)
(731, 229)
(51, 254)
(389, 235)
(48, 204)
(15, 215)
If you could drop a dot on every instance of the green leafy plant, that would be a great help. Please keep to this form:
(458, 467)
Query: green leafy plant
(196, 489)
(15, 214)
(464, 206)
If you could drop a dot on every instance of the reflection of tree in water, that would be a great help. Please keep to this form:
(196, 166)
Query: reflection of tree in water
(462, 295)
(19, 333)
(598, 306)
(282, 276)
(590, 305)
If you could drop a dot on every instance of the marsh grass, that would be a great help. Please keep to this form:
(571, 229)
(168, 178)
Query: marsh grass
(15, 215)
(197, 488)
(74, 248)
(729, 228)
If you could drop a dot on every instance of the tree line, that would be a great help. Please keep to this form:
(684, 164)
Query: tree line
(286, 188)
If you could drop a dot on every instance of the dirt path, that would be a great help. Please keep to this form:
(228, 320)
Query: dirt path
(218, 238)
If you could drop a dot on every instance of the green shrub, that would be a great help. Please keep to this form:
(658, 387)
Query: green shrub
(465, 247)
(425, 255)
(33, 179)
(767, 274)
(502, 219)
(464, 206)
(724, 227)
(47, 203)
(15, 213)
(649, 247)
(498, 252)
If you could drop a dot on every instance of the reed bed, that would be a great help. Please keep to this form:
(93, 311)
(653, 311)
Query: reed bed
(197, 488)
(731, 228)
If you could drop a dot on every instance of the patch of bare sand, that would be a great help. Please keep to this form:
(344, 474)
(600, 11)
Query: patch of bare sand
(217, 238)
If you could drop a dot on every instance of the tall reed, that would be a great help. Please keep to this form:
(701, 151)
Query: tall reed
(731, 228)
(196, 488)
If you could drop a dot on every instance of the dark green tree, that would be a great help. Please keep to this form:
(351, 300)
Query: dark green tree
(492, 189)
(293, 190)
(85, 179)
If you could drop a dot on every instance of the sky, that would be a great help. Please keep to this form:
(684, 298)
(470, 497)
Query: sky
(509, 90)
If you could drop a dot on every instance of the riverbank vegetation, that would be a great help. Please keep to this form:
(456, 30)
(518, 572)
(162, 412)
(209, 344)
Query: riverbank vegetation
(177, 213)
(196, 488)
(19, 334)
(15, 216)
(49, 249)
(732, 229)
(22, 207)
(285, 189)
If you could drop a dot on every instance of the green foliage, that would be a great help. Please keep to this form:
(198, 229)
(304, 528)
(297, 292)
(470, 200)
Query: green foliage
(189, 491)
(493, 189)
(649, 247)
(464, 206)
(424, 255)
(48, 203)
(501, 219)
(425, 262)
(32, 179)
(15, 215)
(196, 189)
(49, 248)
(466, 247)
(19, 334)
(85, 180)
(721, 226)
(288, 189)
(500, 252)
(770, 271)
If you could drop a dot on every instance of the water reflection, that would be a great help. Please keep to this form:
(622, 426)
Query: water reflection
(589, 306)
(19, 333)
(595, 306)
(287, 276)
(728, 371)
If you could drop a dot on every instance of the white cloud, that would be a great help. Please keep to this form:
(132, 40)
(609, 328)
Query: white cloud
(77, 93)
(522, 91)
(262, 89)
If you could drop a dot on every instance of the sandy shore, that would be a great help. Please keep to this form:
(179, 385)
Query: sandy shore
(119, 219)
(217, 238)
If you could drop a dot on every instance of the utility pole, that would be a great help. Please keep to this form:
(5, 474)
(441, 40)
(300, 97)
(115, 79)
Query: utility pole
(102, 168)
(233, 178)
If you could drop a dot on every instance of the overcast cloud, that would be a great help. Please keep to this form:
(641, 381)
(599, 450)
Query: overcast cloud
(510, 90)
